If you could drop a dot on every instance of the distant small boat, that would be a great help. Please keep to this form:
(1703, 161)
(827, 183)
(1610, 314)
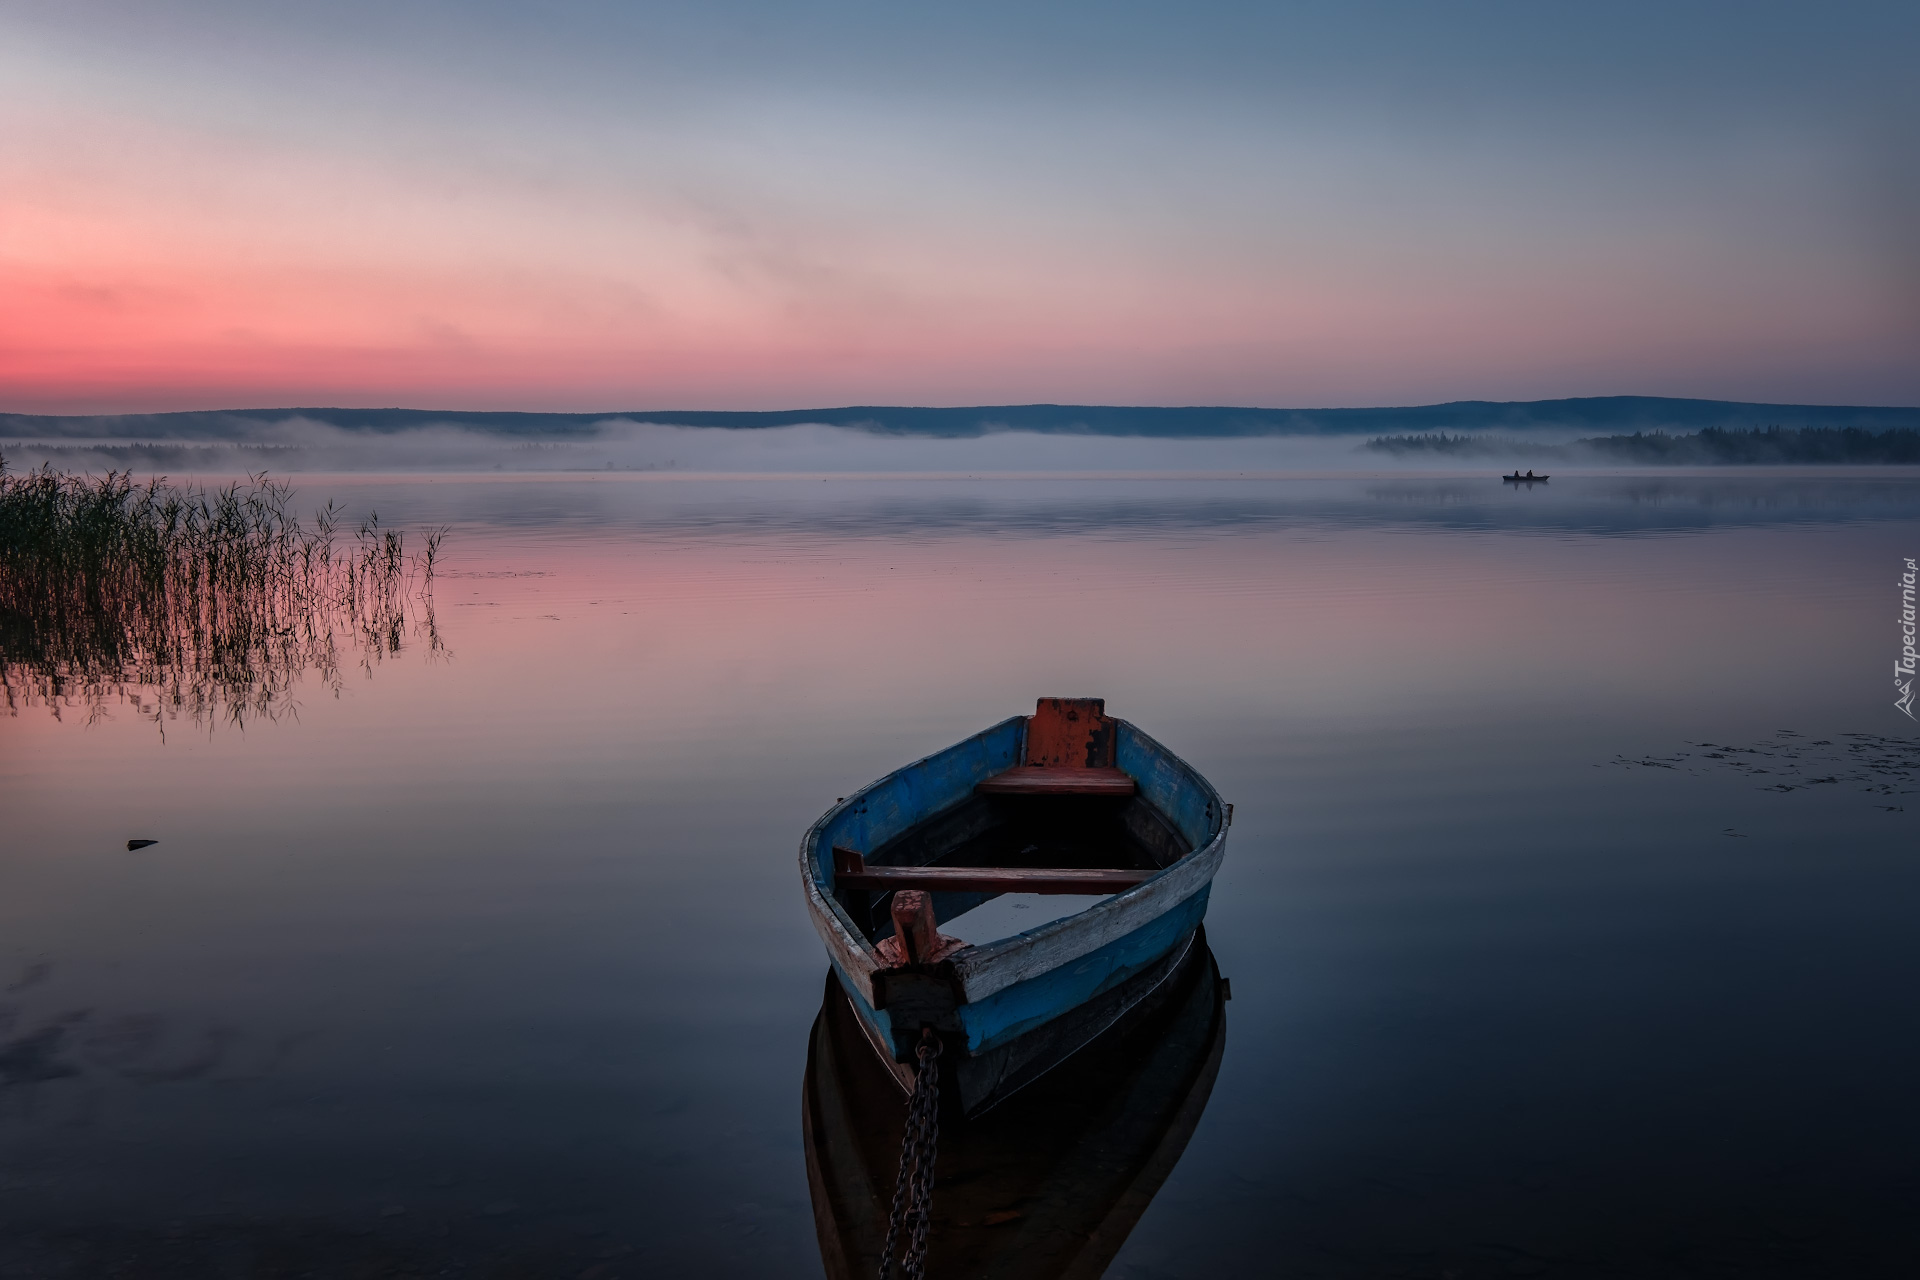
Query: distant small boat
(1529, 478)
(1066, 801)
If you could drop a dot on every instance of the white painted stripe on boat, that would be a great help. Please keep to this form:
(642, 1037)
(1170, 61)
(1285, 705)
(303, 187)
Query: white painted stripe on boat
(854, 956)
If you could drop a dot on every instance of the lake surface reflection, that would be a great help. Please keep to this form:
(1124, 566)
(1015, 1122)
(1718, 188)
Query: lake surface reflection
(1567, 906)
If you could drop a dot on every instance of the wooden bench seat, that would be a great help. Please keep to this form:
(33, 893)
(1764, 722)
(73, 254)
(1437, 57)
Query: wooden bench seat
(1029, 780)
(1068, 750)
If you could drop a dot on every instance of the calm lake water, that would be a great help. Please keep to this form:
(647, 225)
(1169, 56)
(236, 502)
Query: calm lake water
(1568, 907)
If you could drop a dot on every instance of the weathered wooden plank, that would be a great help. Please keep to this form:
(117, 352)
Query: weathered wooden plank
(878, 812)
(1049, 781)
(849, 952)
(881, 810)
(994, 879)
(1073, 733)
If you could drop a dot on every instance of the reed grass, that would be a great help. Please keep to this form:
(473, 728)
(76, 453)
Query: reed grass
(194, 601)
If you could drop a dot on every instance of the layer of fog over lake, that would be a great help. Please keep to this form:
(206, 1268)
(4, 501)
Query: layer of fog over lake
(307, 445)
(1567, 907)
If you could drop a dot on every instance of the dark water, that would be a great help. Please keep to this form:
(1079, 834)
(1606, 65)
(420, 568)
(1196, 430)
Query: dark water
(1568, 906)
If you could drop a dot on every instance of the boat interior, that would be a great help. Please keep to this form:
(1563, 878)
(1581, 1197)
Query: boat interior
(1064, 820)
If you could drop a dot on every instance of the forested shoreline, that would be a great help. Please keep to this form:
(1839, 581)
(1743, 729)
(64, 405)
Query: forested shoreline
(1713, 446)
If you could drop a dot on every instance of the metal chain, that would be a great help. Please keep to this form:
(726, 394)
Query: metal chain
(919, 1145)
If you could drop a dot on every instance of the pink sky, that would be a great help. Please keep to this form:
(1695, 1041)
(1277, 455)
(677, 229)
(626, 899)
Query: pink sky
(179, 233)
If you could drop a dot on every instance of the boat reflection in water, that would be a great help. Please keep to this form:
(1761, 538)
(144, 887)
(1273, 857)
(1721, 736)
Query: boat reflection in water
(1048, 1183)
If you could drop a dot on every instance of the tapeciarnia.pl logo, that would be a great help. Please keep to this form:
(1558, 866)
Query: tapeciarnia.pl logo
(1903, 669)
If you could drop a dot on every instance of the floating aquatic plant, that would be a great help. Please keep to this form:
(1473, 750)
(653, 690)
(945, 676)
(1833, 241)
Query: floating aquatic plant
(190, 601)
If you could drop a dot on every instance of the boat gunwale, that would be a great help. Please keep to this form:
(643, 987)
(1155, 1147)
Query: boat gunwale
(986, 968)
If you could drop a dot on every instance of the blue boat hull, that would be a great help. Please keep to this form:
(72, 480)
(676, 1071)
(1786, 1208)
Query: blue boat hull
(1010, 1010)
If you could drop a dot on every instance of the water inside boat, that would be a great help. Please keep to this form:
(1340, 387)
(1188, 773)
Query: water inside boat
(1013, 913)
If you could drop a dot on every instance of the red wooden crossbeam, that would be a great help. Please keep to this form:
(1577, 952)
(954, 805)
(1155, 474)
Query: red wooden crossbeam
(850, 871)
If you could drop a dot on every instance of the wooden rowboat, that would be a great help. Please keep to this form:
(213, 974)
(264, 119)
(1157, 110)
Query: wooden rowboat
(1066, 801)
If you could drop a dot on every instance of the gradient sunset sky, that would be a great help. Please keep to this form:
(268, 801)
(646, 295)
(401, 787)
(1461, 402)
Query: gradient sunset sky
(602, 206)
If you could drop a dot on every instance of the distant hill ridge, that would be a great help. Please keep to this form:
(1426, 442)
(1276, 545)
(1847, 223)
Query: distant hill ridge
(1592, 413)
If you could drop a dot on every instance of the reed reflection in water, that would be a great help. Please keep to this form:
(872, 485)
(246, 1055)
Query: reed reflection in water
(193, 602)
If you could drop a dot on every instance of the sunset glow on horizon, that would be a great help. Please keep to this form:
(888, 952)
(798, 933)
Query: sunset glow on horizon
(204, 206)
